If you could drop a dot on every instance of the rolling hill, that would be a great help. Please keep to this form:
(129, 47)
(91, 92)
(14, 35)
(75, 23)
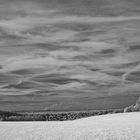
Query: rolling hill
(106, 127)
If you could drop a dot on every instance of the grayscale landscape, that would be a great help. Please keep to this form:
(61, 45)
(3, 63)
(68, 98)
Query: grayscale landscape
(69, 55)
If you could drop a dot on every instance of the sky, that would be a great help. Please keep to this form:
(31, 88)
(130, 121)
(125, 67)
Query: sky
(56, 47)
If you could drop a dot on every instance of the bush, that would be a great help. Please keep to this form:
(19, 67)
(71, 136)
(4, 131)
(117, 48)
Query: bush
(26, 118)
(132, 108)
(7, 114)
(137, 107)
(118, 111)
(138, 101)
(129, 109)
(63, 116)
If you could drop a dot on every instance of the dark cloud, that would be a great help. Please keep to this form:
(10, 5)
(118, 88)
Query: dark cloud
(133, 76)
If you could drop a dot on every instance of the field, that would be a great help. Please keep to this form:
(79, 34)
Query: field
(124, 126)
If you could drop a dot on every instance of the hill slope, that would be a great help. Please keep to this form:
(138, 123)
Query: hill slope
(107, 127)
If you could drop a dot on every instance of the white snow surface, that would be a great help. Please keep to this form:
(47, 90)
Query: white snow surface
(124, 126)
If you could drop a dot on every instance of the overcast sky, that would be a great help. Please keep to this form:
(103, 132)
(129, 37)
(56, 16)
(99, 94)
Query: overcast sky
(69, 46)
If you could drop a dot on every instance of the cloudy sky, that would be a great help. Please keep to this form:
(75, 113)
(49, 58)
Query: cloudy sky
(69, 48)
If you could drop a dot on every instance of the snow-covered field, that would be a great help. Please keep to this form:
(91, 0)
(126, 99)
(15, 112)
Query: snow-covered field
(107, 127)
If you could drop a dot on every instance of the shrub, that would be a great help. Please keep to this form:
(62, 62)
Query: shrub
(118, 111)
(26, 118)
(138, 101)
(128, 109)
(7, 114)
(137, 107)
(132, 108)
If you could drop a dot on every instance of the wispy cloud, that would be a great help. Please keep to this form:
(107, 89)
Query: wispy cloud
(36, 40)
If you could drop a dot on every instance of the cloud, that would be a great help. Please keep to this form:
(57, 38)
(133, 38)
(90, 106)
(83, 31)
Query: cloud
(65, 54)
(72, 86)
(36, 41)
(40, 62)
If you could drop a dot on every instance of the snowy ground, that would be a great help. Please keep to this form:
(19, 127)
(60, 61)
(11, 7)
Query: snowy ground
(107, 127)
